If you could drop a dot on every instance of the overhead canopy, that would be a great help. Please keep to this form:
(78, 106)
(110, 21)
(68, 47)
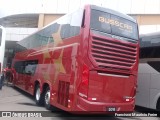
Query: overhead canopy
(150, 40)
(20, 20)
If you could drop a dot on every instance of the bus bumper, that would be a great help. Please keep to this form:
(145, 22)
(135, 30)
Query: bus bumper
(100, 107)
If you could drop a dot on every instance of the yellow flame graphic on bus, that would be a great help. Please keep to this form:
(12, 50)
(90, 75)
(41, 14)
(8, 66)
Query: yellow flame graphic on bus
(59, 67)
(57, 37)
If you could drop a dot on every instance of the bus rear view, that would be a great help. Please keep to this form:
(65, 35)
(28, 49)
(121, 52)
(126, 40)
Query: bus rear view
(85, 61)
(110, 61)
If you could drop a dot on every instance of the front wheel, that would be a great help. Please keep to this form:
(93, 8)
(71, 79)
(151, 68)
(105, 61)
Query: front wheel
(47, 99)
(38, 96)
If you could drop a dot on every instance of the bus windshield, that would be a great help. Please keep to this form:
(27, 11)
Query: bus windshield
(112, 24)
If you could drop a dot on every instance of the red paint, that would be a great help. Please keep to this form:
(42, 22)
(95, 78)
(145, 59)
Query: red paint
(73, 73)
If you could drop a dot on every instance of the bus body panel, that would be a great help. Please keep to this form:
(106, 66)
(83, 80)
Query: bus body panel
(113, 53)
(142, 96)
(154, 96)
(148, 90)
(60, 67)
(102, 88)
(100, 107)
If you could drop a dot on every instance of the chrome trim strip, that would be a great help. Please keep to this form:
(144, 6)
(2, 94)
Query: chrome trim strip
(113, 75)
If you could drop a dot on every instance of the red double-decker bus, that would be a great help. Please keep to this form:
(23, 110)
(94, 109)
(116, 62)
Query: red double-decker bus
(84, 61)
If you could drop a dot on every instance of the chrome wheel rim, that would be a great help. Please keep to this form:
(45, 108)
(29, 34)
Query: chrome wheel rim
(47, 97)
(38, 94)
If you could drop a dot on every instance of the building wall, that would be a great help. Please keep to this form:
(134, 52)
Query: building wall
(60, 7)
(125, 6)
(148, 23)
(45, 19)
(65, 6)
(17, 34)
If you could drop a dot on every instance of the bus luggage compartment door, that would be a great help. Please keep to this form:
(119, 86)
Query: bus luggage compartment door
(111, 89)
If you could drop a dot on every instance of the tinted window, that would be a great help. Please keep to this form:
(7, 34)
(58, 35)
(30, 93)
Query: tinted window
(150, 41)
(96, 24)
(150, 46)
(30, 67)
(155, 65)
(123, 27)
(150, 52)
(105, 22)
(19, 67)
(26, 67)
(65, 27)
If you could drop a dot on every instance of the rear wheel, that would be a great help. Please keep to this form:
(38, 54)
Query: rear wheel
(158, 105)
(47, 99)
(38, 96)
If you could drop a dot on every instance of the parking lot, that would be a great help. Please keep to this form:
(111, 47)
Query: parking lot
(21, 104)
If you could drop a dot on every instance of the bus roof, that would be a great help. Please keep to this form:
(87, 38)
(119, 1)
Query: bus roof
(92, 7)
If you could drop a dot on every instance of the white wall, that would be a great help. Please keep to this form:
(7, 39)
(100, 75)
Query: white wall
(144, 29)
(125, 6)
(17, 34)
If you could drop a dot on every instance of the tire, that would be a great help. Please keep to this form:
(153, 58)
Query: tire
(39, 98)
(158, 105)
(1, 82)
(47, 99)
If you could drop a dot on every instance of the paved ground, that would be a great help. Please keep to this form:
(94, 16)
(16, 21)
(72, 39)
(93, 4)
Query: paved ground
(12, 99)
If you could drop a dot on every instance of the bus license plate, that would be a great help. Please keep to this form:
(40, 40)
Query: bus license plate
(111, 109)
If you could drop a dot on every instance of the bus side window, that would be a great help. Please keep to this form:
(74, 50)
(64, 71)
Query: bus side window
(17, 66)
(65, 31)
(30, 67)
(20, 67)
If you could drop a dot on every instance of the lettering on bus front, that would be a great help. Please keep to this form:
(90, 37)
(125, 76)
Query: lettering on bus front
(115, 23)
(112, 24)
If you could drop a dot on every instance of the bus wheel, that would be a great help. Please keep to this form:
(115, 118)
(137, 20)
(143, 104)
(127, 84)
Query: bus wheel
(38, 96)
(47, 99)
(158, 104)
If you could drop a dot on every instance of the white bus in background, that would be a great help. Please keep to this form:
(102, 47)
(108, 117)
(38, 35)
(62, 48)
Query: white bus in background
(148, 91)
(2, 47)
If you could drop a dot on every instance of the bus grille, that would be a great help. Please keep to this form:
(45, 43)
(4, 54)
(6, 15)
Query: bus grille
(63, 93)
(113, 54)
